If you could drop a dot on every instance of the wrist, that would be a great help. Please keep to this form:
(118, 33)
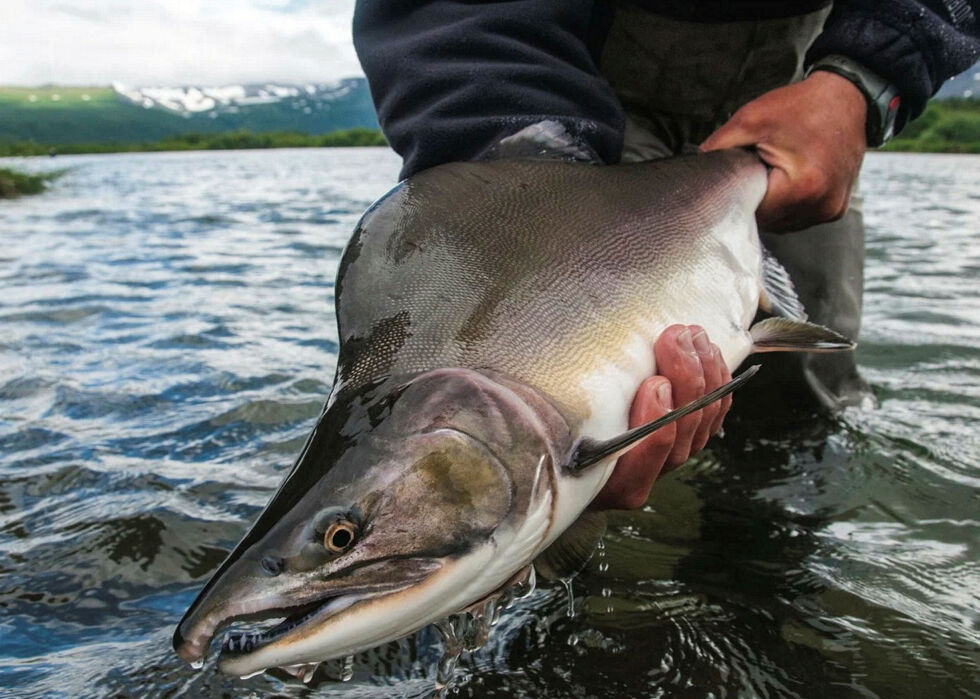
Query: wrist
(842, 103)
(881, 98)
(836, 89)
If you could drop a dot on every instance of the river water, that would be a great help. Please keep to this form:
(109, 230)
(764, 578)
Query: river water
(167, 340)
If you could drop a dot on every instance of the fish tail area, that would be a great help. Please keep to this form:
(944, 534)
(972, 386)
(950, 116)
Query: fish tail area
(789, 335)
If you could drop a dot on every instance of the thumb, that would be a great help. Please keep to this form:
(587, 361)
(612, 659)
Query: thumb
(729, 135)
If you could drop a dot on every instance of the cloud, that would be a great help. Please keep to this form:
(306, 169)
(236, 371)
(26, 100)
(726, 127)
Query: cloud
(172, 42)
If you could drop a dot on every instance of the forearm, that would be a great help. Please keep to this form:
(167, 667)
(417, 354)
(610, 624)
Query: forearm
(450, 78)
(914, 44)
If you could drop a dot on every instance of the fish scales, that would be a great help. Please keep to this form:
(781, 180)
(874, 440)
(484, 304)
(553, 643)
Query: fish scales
(549, 272)
(496, 319)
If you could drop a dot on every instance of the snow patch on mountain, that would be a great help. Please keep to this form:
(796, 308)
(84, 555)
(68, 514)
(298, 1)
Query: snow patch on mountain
(188, 100)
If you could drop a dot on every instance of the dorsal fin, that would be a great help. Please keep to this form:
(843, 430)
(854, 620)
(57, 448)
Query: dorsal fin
(778, 292)
(548, 140)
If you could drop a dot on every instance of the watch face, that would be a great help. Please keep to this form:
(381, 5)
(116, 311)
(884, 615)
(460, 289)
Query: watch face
(890, 116)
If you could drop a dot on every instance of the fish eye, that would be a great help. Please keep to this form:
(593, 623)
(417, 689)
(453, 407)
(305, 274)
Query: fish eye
(340, 536)
(273, 565)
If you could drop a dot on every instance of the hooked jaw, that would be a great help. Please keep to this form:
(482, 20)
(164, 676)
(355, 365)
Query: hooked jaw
(309, 630)
(370, 540)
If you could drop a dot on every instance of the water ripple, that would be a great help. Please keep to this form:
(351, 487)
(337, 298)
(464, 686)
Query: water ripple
(167, 340)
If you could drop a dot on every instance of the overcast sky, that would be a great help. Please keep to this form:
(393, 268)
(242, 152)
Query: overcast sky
(172, 42)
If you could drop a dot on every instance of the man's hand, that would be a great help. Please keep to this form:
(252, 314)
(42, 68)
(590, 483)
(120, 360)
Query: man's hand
(689, 366)
(812, 135)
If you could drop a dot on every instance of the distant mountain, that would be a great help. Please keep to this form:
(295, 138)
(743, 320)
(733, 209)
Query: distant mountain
(126, 114)
(62, 115)
(963, 85)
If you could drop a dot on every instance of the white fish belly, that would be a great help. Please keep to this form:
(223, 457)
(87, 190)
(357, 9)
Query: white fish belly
(613, 384)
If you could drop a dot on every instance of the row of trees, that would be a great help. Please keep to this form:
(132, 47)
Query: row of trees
(947, 126)
(230, 140)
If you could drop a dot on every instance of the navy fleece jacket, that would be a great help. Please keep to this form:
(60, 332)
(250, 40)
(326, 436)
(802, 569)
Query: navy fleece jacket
(449, 78)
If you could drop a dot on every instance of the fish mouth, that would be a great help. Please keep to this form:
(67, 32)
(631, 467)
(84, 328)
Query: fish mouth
(288, 622)
(292, 622)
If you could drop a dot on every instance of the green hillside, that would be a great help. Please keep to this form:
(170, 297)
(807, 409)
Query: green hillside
(55, 115)
(93, 119)
(52, 97)
(946, 126)
(228, 140)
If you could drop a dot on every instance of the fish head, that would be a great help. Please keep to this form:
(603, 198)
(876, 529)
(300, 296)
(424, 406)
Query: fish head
(387, 523)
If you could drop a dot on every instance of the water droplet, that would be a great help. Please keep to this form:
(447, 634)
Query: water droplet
(570, 610)
(346, 669)
(478, 625)
(304, 672)
(600, 554)
(453, 632)
(525, 587)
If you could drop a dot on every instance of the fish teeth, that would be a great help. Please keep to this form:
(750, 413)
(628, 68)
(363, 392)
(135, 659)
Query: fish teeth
(241, 641)
(246, 641)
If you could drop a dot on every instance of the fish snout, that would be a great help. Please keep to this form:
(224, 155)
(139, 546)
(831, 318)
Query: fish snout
(193, 636)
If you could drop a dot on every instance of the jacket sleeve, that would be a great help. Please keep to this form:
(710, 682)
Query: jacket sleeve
(449, 78)
(915, 44)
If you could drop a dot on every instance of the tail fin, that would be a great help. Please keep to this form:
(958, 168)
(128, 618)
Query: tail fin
(788, 335)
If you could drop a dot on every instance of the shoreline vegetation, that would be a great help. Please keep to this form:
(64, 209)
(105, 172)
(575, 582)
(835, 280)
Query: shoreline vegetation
(231, 140)
(14, 183)
(946, 126)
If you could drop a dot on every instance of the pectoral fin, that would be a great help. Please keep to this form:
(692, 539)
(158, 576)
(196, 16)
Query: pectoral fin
(569, 553)
(788, 335)
(590, 452)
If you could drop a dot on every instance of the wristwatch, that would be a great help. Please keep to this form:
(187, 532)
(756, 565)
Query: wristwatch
(883, 98)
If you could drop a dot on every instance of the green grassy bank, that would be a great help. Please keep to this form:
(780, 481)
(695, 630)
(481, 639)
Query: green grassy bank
(14, 183)
(206, 141)
(947, 126)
